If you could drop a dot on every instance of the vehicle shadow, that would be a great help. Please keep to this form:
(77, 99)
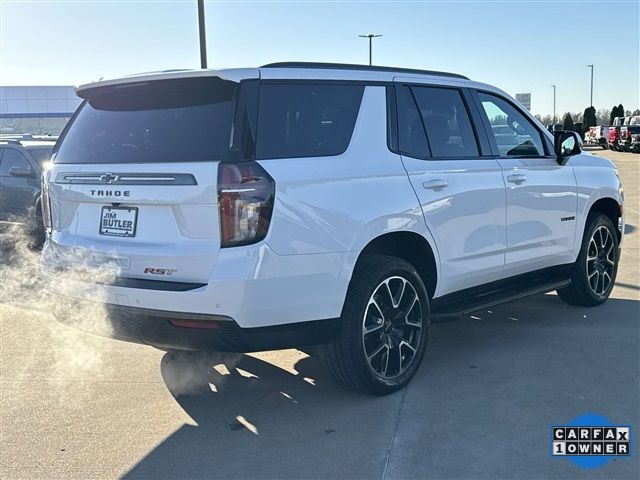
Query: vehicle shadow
(254, 419)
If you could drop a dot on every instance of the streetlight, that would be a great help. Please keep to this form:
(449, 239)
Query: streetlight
(203, 39)
(554, 104)
(370, 36)
(591, 67)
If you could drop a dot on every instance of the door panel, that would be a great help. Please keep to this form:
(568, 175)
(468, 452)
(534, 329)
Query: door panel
(463, 203)
(541, 195)
(541, 213)
(462, 194)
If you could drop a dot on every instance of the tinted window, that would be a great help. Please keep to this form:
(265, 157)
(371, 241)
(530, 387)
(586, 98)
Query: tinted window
(412, 140)
(449, 130)
(306, 120)
(514, 133)
(41, 155)
(165, 121)
(12, 158)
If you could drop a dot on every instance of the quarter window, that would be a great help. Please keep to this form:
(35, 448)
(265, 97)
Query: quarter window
(306, 120)
(514, 134)
(445, 117)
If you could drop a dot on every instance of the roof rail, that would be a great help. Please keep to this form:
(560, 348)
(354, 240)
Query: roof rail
(352, 66)
(10, 141)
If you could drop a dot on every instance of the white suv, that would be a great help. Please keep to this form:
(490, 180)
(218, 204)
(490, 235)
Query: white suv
(304, 204)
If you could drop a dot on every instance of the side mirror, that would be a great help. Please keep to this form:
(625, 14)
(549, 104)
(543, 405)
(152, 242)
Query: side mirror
(21, 172)
(565, 145)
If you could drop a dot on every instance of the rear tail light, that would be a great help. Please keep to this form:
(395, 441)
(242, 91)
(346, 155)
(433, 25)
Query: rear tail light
(245, 195)
(46, 200)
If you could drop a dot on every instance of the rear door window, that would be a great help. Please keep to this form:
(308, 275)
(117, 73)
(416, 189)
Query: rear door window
(445, 117)
(412, 139)
(306, 119)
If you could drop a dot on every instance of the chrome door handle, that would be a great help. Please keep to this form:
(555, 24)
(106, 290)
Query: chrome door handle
(517, 178)
(435, 184)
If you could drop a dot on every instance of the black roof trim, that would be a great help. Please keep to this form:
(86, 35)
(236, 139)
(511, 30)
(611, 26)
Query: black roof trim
(353, 66)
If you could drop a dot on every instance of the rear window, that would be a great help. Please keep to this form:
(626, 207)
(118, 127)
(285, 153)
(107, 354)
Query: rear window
(186, 120)
(41, 155)
(306, 120)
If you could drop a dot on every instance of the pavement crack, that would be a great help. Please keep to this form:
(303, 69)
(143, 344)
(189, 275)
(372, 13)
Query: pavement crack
(395, 431)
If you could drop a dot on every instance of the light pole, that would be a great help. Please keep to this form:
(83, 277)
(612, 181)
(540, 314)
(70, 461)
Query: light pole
(591, 67)
(203, 38)
(554, 105)
(370, 36)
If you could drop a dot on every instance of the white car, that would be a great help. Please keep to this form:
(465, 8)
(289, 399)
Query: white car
(300, 204)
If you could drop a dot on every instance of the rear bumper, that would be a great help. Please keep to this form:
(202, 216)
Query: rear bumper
(166, 330)
(252, 285)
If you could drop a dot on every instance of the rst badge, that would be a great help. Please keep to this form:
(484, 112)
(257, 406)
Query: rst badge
(160, 271)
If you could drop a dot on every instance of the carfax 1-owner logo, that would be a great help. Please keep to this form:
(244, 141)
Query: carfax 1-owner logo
(590, 440)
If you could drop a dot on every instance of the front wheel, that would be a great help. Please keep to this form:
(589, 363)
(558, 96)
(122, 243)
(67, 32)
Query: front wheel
(385, 327)
(594, 272)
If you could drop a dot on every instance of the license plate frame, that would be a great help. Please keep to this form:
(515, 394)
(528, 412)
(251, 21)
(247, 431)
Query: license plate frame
(119, 231)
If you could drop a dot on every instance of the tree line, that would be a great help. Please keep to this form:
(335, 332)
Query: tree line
(590, 117)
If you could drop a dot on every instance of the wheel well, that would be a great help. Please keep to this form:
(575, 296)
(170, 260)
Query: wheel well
(611, 209)
(411, 247)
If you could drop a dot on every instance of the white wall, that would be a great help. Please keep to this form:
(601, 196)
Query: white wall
(34, 100)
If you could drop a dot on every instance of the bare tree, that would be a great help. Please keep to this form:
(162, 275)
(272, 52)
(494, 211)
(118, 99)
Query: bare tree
(602, 116)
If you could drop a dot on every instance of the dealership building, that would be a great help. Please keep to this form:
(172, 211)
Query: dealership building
(39, 110)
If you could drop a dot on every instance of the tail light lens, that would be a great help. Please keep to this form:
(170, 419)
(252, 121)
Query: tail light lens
(46, 200)
(245, 195)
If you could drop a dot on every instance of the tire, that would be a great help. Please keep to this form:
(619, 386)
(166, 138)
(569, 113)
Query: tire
(588, 271)
(387, 295)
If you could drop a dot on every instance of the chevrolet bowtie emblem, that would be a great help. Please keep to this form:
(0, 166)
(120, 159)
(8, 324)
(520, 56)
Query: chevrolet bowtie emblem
(109, 178)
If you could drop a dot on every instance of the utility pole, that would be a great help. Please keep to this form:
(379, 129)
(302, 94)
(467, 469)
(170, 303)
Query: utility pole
(554, 105)
(203, 37)
(591, 67)
(370, 36)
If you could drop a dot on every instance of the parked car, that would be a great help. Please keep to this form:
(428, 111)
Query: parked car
(614, 138)
(620, 121)
(635, 143)
(597, 136)
(305, 204)
(21, 160)
(554, 127)
(626, 134)
(577, 127)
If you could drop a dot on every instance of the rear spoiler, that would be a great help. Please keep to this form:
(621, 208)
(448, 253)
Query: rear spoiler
(89, 90)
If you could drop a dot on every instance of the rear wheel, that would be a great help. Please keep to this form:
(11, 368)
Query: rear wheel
(594, 272)
(385, 326)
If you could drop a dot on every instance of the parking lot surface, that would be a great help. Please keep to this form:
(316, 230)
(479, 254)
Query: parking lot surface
(492, 384)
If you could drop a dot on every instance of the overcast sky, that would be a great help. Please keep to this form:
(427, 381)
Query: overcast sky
(519, 46)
